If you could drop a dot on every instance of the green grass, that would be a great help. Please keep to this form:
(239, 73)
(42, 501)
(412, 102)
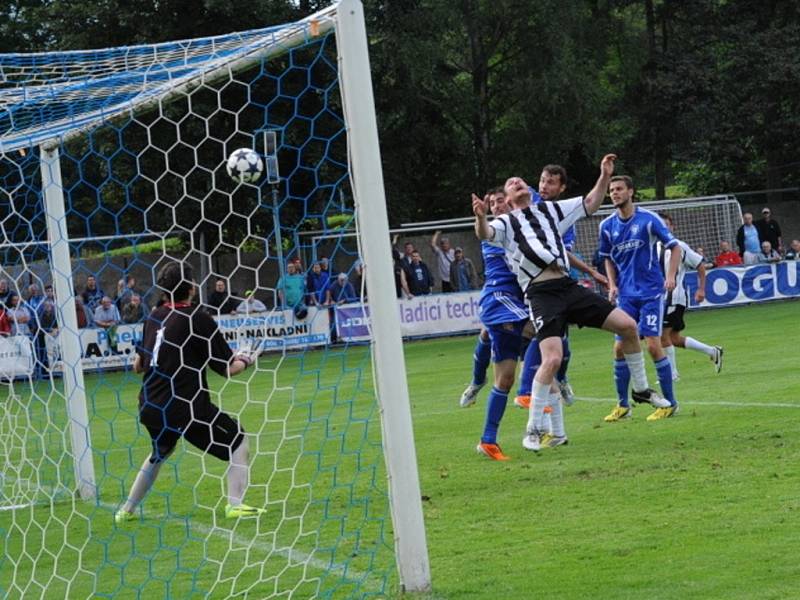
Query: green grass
(704, 505)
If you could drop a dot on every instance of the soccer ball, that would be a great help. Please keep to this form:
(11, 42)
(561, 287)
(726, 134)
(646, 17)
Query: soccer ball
(244, 166)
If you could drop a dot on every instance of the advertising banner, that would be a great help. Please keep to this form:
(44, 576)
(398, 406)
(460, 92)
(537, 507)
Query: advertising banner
(438, 314)
(16, 357)
(115, 347)
(728, 286)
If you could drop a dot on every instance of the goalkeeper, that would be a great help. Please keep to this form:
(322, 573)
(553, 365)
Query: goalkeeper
(178, 343)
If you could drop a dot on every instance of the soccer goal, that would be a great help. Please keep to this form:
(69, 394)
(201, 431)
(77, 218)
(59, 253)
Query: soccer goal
(115, 162)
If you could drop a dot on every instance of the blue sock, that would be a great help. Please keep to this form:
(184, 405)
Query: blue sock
(562, 370)
(664, 371)
(495, 408)
(481, 359)
(622, 379)
(533, 358)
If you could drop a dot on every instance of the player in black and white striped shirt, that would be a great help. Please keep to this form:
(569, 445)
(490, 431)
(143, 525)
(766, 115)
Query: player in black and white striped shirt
(532, 237)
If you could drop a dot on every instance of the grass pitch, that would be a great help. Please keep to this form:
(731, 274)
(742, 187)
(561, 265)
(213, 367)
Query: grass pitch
(703, 505)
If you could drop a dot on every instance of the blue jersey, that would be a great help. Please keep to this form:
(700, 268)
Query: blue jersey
(569, 237)
(632, 246)
(501, 299)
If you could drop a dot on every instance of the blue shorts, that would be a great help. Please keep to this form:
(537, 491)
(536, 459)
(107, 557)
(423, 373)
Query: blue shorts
(497, 308)
(506, 339)
(647, 312)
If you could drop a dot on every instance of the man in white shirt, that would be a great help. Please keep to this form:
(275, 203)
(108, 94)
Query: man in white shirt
(445, 255)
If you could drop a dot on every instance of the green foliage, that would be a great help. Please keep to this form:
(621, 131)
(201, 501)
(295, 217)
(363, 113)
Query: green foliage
(168, 245)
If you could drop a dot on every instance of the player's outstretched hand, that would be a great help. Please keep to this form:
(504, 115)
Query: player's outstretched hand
(480, 208)
(607, 164)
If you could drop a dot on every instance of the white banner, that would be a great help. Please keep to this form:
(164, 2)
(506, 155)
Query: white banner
(728, 286)
(115, 347)
(16, 356)
(437, 314)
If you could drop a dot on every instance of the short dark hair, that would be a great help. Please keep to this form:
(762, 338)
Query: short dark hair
(556, 170)
(176, 279)
(625, 179)
(665, 217)
(499, 189)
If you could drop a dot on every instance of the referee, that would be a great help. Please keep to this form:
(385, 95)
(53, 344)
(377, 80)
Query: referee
(532, 238)
(180, 340)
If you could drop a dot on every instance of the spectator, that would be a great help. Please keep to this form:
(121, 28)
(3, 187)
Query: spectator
(341, 291)
(748, 240)
(106, 314)
(726, 256)
(134, 311)
(4, 291)
(92, 295)
(769, 230)
(793, 253)
(316, 285)
(707, 262)
(291, 288)
(768, 255)
(359, 281)
(5, 326)
(18, 315)
(462, 272)
(119, 294)
(220, 301)
(47, 325)
(35, 298)
(325, 264)
(445, 255)
(250, 304)
(420, 280)
(84, 316)
(125, 290)
(400, 278)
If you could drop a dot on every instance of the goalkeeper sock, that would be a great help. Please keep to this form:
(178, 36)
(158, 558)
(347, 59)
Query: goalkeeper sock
(557, 416)
(481, 359)
(670, 352)
(693, 344)
(141, 485)
(622, 379)
(635, 362)
(238, 474)
(495, 408)
(541, 398)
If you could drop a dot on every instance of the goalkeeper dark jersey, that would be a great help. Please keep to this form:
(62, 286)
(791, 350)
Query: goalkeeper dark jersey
(178, 343)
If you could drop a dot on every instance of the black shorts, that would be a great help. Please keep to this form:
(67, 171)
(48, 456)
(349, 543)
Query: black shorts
(211, 430)
(674, 318)
(557, 302)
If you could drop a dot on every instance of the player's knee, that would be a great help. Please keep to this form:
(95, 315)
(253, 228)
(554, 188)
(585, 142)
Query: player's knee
(484, 335)
(551, 363)
(504, 381)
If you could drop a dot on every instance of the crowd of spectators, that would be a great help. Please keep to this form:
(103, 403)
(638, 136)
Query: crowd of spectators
(757, 242)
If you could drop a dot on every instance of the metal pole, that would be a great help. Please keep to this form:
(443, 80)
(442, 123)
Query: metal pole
(389, 361)
(69, 336)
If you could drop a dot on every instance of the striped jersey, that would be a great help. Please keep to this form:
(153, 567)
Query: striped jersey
(532, 236)
(631, 246)
(689, 260)
(569, 236)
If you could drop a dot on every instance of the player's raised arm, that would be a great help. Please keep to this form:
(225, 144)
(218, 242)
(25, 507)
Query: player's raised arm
(595, 198)
(480, 208)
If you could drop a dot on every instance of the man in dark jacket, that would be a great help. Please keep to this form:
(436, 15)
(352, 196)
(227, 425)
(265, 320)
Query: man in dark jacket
(420, 280)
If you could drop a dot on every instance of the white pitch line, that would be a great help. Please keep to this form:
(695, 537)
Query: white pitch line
(710, 403)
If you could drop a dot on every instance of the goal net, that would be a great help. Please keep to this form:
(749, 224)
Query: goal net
(113, 164)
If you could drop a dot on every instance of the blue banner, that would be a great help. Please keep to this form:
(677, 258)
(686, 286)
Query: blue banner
(727, 286)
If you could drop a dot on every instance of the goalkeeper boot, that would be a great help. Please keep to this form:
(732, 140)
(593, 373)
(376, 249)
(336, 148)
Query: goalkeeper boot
(122, 516)
(554, 441)
(650, 396)
(242, 510)
(523, 401)
(470, 394)
(619, 413)
(567, 395)
(717, 358)
(663, 413)
(492, 451)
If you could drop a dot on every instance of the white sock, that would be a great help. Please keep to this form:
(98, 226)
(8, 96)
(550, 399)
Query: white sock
(141, 485)
(238, 474)
(693, 344)
(670, 351)
(557, 416)
(541, 398)
(635, 363)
